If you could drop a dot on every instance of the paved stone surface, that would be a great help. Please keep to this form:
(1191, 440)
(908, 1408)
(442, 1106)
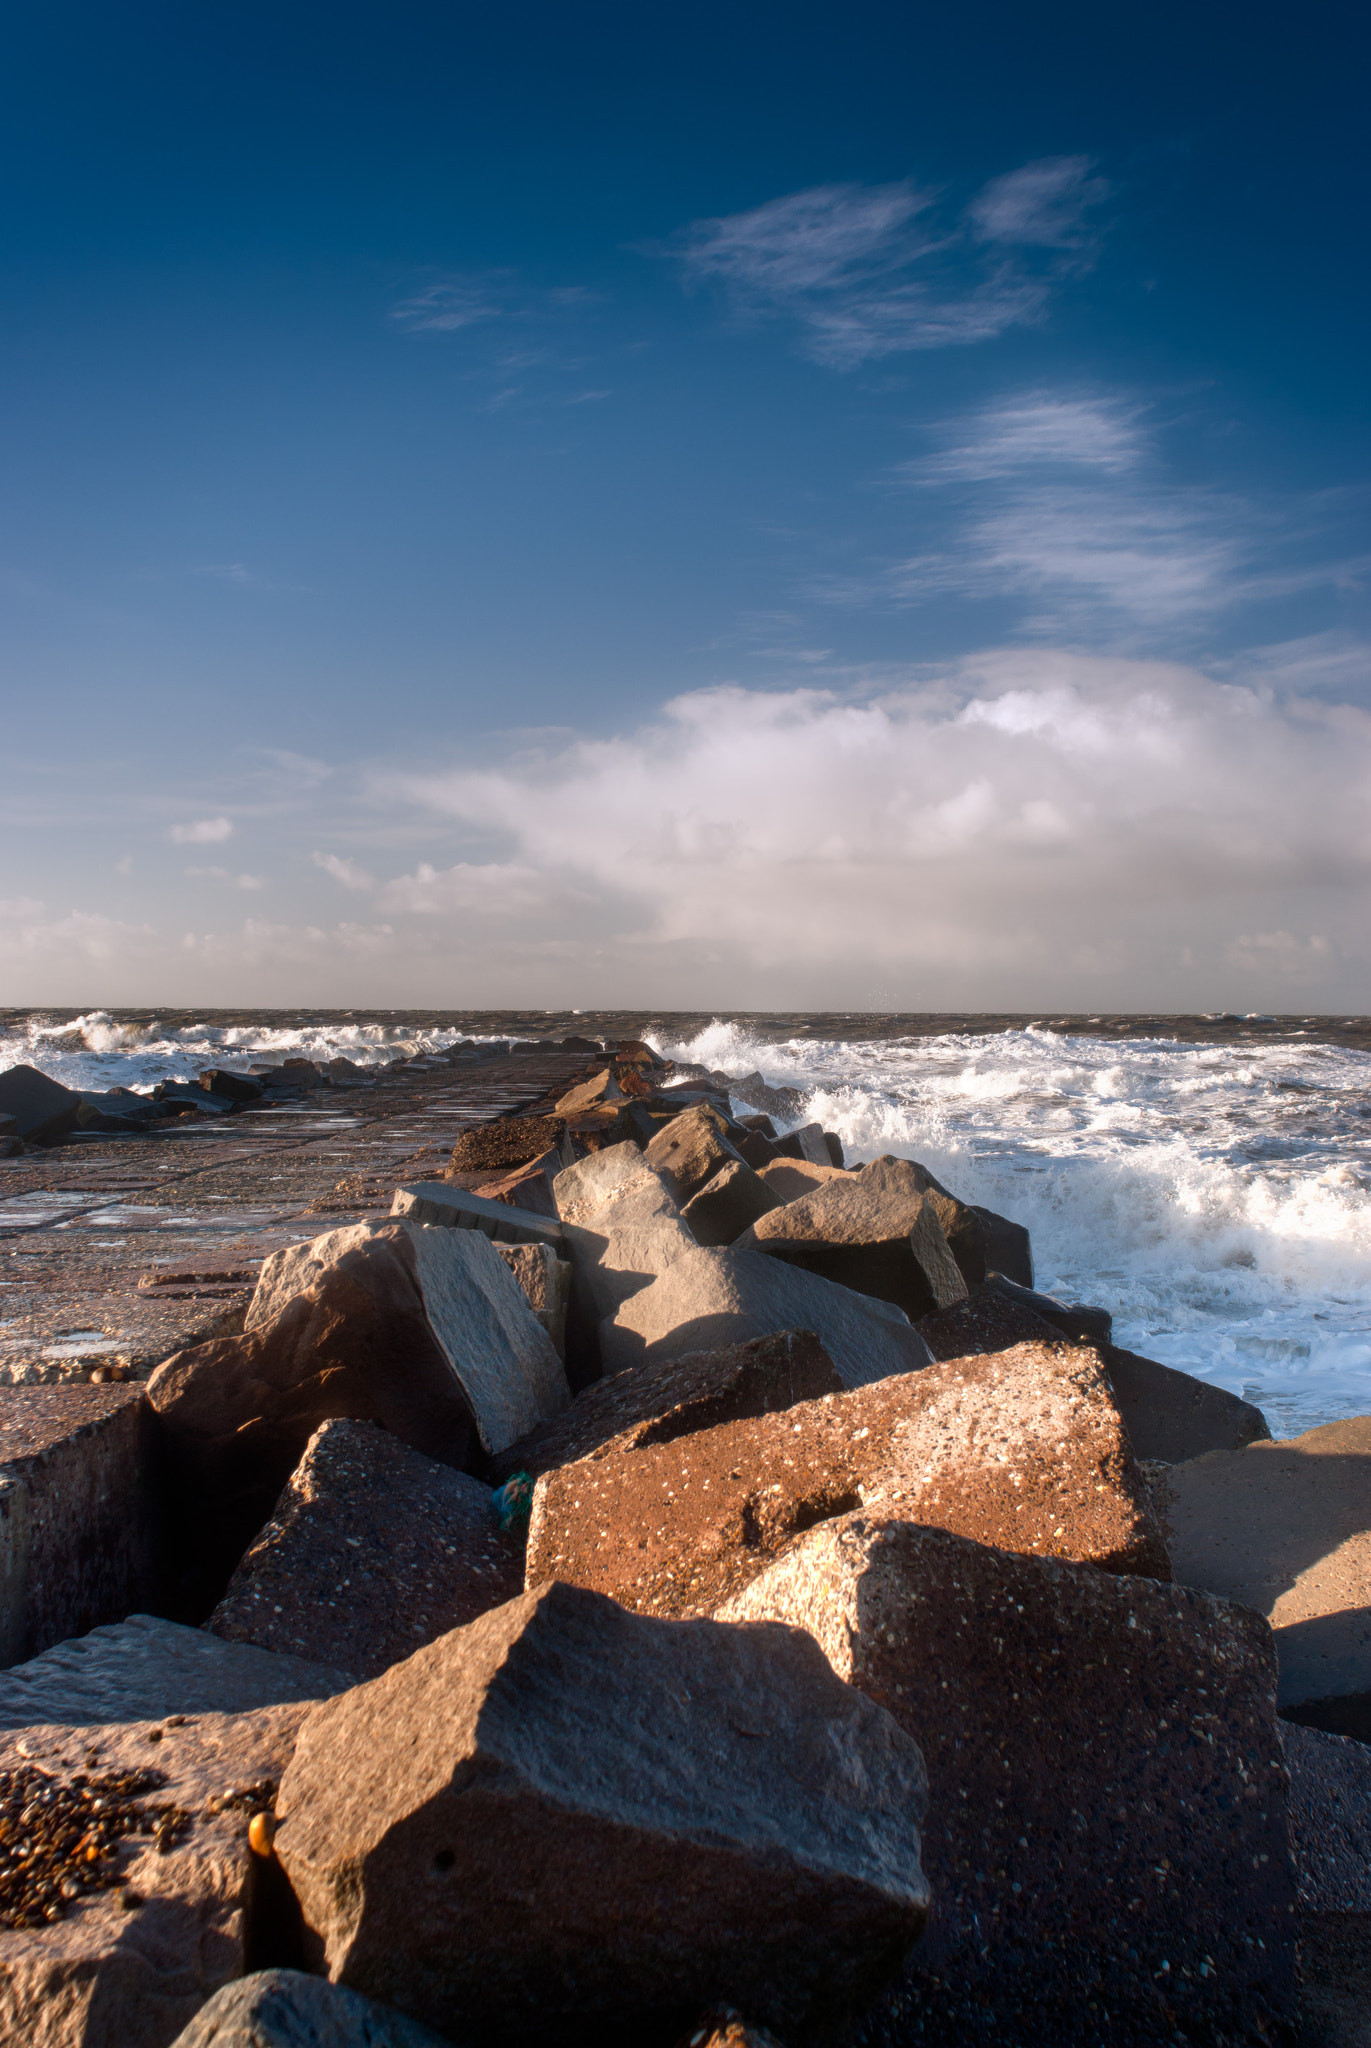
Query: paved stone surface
(79, 1224)
(655, 1403)
(373, 1551)
(142, 1669)
(1286, 1528)
(79, 1530)
(1106, 1838)
(1024, 1449)
(115, 1974)
(569, 1816)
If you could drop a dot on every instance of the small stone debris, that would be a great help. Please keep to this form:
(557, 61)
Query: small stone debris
(60, 1841)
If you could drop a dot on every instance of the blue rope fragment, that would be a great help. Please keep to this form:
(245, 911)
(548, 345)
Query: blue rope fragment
(513, 1501)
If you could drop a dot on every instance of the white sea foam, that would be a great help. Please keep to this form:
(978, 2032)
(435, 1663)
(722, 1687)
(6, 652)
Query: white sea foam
(1217, 1199)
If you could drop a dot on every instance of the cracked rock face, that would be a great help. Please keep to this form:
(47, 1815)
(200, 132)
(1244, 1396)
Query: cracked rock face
(566, 1816)
(1024, 1449)
(1107, 1838)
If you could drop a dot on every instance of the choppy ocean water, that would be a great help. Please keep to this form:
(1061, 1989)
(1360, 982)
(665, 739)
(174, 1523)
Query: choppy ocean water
(1212, 1190)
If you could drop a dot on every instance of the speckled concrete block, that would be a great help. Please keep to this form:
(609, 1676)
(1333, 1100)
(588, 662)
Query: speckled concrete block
(1107, 1828)
(373, 1551)
(78, 1512)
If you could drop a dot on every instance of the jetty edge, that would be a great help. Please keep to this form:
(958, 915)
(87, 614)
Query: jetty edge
(603, 1564)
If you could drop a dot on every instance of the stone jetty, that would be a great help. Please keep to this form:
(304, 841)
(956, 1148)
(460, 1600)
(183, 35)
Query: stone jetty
(533, 1544)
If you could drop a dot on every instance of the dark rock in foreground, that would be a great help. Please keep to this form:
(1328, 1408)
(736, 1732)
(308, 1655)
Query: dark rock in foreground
(1107, 1838)
(373, 1550)
(566, 1820)
(287, 2009)
(41, 1109)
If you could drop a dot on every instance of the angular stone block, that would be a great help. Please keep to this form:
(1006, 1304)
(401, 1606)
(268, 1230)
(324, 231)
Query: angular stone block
(373, 1551)
(792, 1178)
(1107, 1837)
(546, 1282)
(691, 1149)
(708, 1299)
(42, 1109)
(143, 1669)
(1075, 1319)
(442, 1202)
(1286, 1528)
(876, 1232)
(287, 2009)
(1172, 1416)
(79, 1513)
(569, 1817)
(725, 1206)
(1023, 1449)
(658, 1402)
(130, 1965)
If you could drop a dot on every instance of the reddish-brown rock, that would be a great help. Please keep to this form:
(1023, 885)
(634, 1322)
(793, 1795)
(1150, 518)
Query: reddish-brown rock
(566, 1821)
(508, 1141)
(656, 1403)
(373, 1550)
(1107, 1837)
(1024, 1449)
(988, 1320)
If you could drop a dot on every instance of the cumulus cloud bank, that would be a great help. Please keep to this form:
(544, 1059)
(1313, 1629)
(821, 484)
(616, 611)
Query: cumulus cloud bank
(1026, 829)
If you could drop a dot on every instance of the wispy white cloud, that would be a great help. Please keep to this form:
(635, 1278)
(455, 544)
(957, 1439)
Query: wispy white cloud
(448, 303)
(1046, 204)
(1039, 429)
(490, 889)
(227, 875)
(872, 271)
(345, 871)
(202, 832)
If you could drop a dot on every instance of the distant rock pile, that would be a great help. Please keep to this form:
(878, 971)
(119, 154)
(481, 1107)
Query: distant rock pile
(670, 1584)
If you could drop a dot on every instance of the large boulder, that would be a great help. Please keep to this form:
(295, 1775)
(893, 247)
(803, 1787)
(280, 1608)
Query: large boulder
(791, 1178)
(372, 1551)
(621, 1229)
(546, 1282)
(599, 1092)
(1330, 1818)
(1286, 1528)
(1024, 1449)
(1107, 1837)
(1172, 1416)
(41, 1109)
(1076, 1320)
(81, 1532)
(567, 1817)
(988, 1320)
(139, 1894)
(422, 1329)
(445, 1204)
(876, 1232)
(679, 1396)
(707, 1299)
(809, 1142)
(691, 1149)
(724, 1207)
(287, 2009)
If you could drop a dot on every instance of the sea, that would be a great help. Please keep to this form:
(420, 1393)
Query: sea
(1206, 1179)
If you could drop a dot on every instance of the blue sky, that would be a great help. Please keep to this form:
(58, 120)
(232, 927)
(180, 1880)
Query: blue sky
(788, 505)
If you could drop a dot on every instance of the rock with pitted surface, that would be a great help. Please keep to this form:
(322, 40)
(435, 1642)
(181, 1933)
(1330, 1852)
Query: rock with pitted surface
(876, 1232)
(373, 1550)
(1023, 1449)
(988, 1320)
(152, 1927)
(1286, 1528)
(424, 1330)
(287, 2009)
(1107, 1838)
(567, 1817)
(81, 1530)
(658, 1402)
(1330, 1818)
(690, 1150)
(725, 1206)
(707, 1299)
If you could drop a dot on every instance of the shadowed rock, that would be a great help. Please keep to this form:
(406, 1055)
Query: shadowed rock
(1107, 1821)
(287, 2009)
(876, 1232)
(566, 1820)
(725, 1206)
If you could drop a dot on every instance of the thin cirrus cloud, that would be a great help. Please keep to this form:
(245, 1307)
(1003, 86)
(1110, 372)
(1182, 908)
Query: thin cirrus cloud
(348, 872)
(875, 270)
(1066, 502)
(202, 832)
